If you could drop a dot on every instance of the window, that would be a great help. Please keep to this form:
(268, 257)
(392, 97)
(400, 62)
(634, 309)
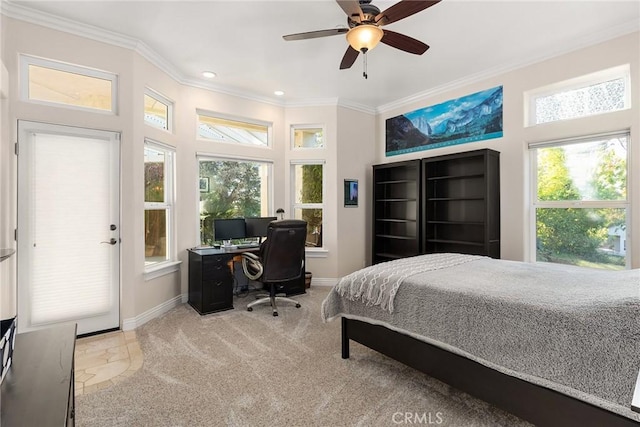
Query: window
(159, 201)
(580, 204)
(158, 110)
(307, 136)
(74, 86)
(232, 188)
(223, 128)
(596, 93)
(308, 198)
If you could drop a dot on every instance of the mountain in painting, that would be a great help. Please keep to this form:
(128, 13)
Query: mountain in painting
(402, 134)
(472, 118)
(484, 118)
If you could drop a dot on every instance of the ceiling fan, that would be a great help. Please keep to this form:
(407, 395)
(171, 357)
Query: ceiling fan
(364, 32)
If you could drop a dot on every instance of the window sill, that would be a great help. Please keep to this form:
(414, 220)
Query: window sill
(161, 269)
(316, 253)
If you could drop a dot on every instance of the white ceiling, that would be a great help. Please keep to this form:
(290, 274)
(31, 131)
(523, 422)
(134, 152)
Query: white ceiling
(242, 42)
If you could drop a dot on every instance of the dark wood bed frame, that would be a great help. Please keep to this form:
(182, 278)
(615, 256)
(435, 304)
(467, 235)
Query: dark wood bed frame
(531, 402)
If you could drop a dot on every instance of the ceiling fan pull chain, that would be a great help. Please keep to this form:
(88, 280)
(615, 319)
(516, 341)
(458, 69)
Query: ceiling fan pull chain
(364, 61)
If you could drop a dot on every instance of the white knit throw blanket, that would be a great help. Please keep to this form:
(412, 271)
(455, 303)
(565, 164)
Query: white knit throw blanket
(378, 284)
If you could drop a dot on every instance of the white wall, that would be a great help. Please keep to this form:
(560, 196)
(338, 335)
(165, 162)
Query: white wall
(139, 296)
(349, 152)
(514, 158)
(355, 158)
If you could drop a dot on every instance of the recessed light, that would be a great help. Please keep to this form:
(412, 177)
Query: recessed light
(279, 92)
(208, 74)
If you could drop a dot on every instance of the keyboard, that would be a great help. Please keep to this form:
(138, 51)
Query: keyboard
(248, 245)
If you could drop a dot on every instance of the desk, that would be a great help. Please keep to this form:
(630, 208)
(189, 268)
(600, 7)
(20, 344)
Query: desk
(211, 279)
(39, 389)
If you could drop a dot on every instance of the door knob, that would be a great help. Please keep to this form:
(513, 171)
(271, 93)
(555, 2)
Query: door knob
(111, 241)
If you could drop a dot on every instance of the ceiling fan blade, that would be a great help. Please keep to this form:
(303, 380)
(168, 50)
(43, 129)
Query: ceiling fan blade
(315, 34)
(402, 9)
(402, 42)
(349, 58)
(352, 9)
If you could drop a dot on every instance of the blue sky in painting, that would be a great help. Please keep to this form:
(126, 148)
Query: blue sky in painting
(452, 109)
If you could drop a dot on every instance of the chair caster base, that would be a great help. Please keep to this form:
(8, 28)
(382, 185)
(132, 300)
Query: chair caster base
(249, 308)
(275, 313)
(298, 306)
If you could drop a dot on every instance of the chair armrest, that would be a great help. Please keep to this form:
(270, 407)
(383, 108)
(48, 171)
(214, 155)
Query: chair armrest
(251, 256)
(251, 265)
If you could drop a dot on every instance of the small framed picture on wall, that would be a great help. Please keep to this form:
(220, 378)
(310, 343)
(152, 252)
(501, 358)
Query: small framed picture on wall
(350, 193)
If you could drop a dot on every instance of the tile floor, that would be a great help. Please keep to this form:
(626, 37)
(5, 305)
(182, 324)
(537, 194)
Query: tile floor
(102, 360)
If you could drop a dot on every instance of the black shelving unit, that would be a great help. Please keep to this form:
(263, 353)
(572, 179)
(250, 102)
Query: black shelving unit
(396, 225)
(445, 203)
(461, 203)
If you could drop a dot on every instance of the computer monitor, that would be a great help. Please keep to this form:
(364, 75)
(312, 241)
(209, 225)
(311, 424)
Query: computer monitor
(229, 229)
(257, 226)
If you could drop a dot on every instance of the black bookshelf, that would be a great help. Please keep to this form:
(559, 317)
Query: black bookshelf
(461, 203)
(396, 225)
(447, 203)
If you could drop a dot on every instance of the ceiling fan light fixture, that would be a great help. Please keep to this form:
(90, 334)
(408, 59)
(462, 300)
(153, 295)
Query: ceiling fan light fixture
(364, 37)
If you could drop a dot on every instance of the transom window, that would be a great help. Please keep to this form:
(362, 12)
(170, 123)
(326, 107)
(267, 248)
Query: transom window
(602, 92)
(158, 110)
(307, 136)
(58, 83)
(232, 188)
(223, 128)
(580, 203)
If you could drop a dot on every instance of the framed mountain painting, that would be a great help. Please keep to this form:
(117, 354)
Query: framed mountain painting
(474, 117)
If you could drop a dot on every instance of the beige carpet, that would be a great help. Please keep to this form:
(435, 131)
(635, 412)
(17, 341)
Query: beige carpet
(239, 368)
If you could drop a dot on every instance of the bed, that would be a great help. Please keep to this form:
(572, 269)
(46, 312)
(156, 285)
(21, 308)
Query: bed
(552, 344)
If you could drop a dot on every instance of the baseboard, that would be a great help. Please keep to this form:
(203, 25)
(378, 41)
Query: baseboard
(157, 311)
(323, 281)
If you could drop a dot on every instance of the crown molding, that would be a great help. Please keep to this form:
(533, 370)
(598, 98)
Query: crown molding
(54, 22)
(23, 13)
(593, 39)
(227, 90)
(330, 102)
(27, 14)
(345, 103)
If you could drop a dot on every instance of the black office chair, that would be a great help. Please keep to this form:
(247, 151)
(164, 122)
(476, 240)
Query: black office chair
(281, 260)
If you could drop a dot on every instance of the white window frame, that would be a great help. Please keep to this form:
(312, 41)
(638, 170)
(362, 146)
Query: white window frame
(311, 251)
(308, 126)
(202, 156)
(619, 72)
(26, 60)
(171, 264)
(584, 204)
(216, 115)
(165, 101)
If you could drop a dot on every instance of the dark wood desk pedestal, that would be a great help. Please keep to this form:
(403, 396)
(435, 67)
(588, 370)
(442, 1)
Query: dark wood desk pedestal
(39, 387)
(211, 279)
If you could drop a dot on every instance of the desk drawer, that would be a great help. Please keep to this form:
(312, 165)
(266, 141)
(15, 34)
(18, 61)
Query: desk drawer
(216, 268)
(217, 294)
(210, 281)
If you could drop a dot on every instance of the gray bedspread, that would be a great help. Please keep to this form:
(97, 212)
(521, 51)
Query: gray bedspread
(571, 329)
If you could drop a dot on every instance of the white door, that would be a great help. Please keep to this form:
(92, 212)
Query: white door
(68, 227)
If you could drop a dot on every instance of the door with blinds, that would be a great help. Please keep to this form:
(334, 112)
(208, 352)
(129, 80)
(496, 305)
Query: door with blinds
(68, 227)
